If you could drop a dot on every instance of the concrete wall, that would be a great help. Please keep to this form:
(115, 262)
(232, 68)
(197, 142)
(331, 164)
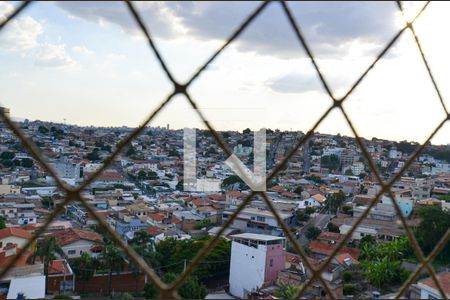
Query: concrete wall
(247, 269)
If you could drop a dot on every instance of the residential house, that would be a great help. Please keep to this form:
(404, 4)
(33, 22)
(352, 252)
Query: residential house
(75, 242)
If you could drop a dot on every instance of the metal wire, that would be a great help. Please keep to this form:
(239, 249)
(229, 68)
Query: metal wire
(170, 291)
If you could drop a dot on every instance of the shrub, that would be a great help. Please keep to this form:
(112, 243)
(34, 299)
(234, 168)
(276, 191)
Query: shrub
(349, 288)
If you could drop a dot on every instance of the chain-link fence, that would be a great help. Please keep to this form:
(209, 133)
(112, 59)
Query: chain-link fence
(170, 291)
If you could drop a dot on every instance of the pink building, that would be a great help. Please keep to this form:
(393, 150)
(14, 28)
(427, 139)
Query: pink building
(256, 260)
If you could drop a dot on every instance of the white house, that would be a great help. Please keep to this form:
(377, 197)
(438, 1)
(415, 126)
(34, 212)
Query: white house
(429, 290)
(256, 260)
(75, 242)
(309, 202)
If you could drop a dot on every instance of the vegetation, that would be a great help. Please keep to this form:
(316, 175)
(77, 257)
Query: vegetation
(310, 210)
(232, 180)
(441, 154)
(2, 223)
(298, 190)
(286, 291)
(330, 162)
(444, 197)
(349, 288)
(314, 178)
(203, 223)
(335, 201)
(48, 250)
(381, 262)
(113, 258)
(302, 216)
(332, 228)
(312, 233)
(173, 253)
(192, 288)
(84, 268)
(93, 156)
(435, 223)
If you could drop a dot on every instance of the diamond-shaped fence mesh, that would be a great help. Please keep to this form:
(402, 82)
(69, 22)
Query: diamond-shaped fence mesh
(170, 291)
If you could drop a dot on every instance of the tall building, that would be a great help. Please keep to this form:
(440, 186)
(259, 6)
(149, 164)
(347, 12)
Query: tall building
(306, 156)
(256, 260)
(69, 172)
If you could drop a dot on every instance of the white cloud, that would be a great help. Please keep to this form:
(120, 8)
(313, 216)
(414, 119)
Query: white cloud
(51, 55)
(83, 50)
(21, 35)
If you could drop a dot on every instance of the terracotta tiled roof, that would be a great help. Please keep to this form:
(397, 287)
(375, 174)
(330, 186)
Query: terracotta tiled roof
(341, 257)
(326, 249)
(157, 216)
(71, 235)
(153, 230)
(444, 280)
(13, 231)
(319, 197)
(235, 194)
(330, 236)
(201, 202)
(217, 197)
(58, 266)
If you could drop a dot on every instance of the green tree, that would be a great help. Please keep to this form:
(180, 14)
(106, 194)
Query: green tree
(191, 288)
(286, 291)
(298, 190)
(2, 223)
(152, 175)
(141, 175)
(180, 186)
(231, 180)
(312, 233)
(330, 162)
(246, 131)
(174, 152)
(27, 162)
(84, 268)
(349, 289)
(335, 201)
(367, 239)
(333, 228)
(7, 155)
(435, 223)
(112, 257)
(7, 163)
(106, 148)
(93, 156)
(43, 129)
(301, 216)
(349, 172)
(310, 210)
(203, 223)
(131, 151)
(381, 271)
(47, 249)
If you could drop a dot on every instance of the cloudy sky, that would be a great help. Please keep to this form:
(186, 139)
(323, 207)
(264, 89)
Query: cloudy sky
(88, 63)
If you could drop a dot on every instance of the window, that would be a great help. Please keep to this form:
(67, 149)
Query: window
(71, 252)
(1, 244)
(261, 219)
(271, 262)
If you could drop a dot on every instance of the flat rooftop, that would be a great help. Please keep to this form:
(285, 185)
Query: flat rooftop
(257, 237)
